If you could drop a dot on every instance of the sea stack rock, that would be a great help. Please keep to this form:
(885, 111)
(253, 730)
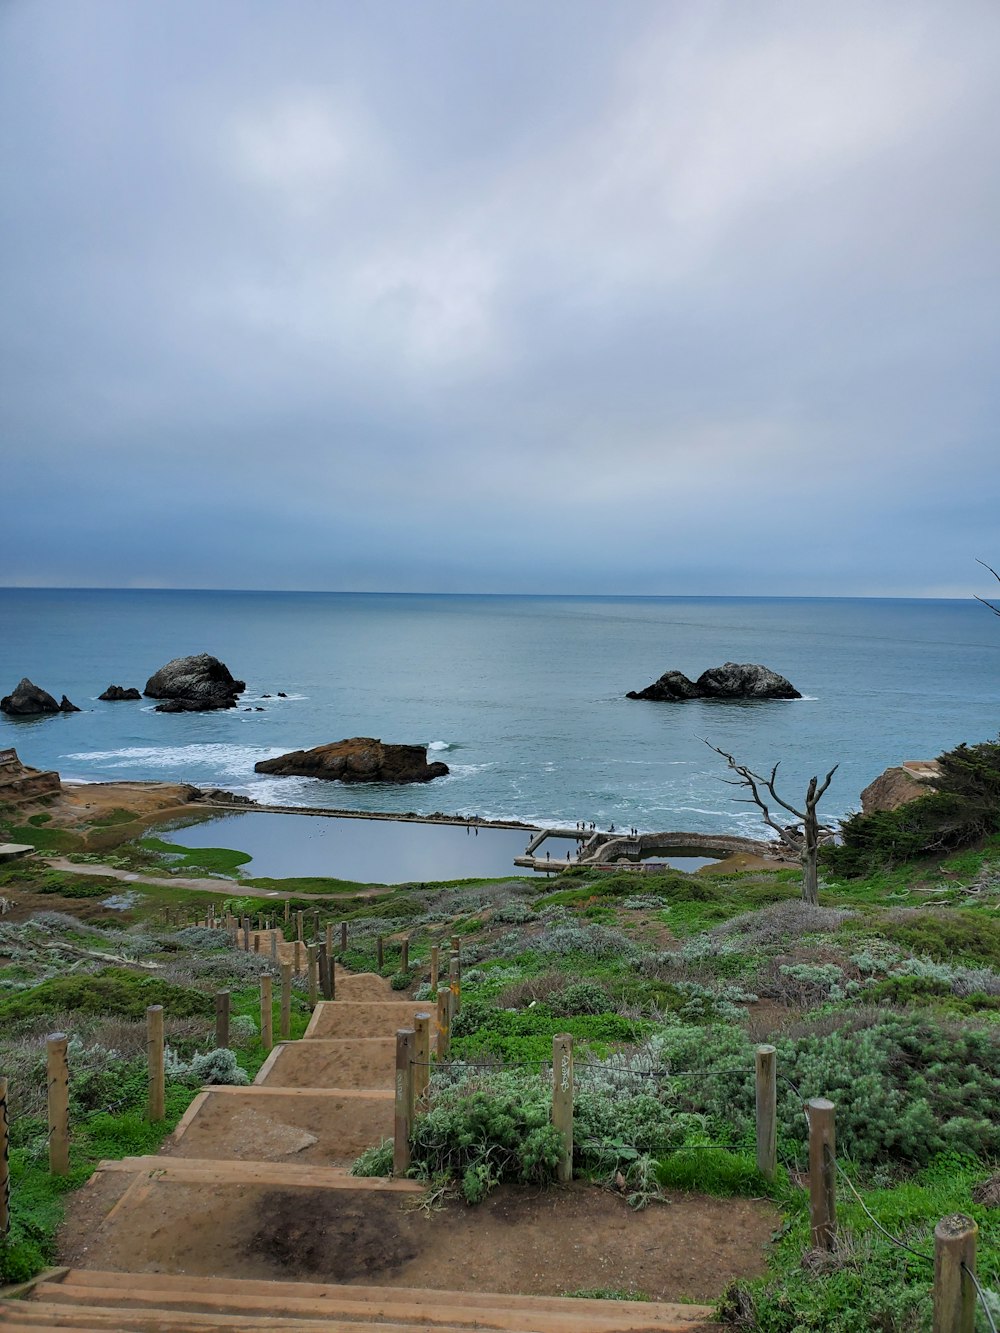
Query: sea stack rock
(734, 680)
(28, 700)
(66, 707)
(115, 693)
(360, 759)
(194, 685)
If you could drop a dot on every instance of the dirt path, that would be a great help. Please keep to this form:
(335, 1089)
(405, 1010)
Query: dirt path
(225, 887)
(252, 1186)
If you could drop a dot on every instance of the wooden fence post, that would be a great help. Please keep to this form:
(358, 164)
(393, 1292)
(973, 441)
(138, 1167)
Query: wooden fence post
(286, 1001)
(562, 1102)
(287, 908)
(421, 1055)
(954, 1290)
(767, 1108)
(404, 954)
(822, 1173)
(222, 1018)
(343, 937)
(266, 1013)
(456, 949)
(298, 956)
(315, 925)
(246, 934)
(298, 926)
(455, 984)
(443, 1023)
(58, 1073)
(313, 976)
(435, 966)
(405, 1038)
(4, 1160)
(328, 941)
(274, 946)
(154, 1039)
(379, 953)
(325, 973)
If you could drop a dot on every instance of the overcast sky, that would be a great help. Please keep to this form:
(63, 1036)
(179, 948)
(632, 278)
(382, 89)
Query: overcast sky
(485, 295)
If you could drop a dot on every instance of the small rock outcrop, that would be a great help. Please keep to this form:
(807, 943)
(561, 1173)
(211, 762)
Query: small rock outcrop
(734, 680)
(899, 786)
(116, 693)
(27, 700)
(360, 759)
(66, 707)
(193, 685)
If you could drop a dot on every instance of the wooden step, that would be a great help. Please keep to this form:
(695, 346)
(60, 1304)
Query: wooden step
(211, 1171)
(261, 1122)
(378, 1307)
(337, 1062)
(31, 1316)
(364, 1018)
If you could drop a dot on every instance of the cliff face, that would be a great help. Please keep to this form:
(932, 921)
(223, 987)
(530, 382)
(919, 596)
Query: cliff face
(360, 759)
(898, 786)
(19, 783)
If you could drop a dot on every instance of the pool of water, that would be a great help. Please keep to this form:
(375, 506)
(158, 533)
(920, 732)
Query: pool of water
(370, 851)
(679, 860)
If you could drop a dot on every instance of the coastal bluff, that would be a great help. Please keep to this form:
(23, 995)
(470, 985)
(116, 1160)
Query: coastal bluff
(359, 759)
(733, 680)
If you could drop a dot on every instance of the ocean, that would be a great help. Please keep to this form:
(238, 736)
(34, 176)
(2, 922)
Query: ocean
(523, 697)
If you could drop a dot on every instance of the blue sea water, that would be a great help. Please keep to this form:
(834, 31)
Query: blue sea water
(523, 697)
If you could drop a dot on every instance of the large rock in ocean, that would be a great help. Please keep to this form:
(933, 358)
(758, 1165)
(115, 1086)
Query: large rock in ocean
(27, 700)
(194, 685)
(734, 680)
(361, 759)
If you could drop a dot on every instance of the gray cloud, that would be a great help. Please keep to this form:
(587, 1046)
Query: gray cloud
(652, 298)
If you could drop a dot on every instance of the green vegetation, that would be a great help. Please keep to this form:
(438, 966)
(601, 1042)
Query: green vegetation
(963, 810)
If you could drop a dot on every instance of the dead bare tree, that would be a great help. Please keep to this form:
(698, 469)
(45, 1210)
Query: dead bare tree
(802, 838)
(992, 605)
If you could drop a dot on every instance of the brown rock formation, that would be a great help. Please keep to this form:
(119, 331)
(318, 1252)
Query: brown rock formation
(360, 759)
(898, 786)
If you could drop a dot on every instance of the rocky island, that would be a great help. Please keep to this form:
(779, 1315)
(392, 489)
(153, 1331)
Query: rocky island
(29, 700)
(360, 759)
(734, 680)
(194, 685)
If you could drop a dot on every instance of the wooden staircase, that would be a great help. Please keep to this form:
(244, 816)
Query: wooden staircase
(290, 1136)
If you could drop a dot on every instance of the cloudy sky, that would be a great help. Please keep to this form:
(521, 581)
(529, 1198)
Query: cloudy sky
(500, 295)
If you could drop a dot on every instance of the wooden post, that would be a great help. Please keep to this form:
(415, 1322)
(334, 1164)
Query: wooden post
(562, 1102)
(286, 1001)
(328, 939)
(435, 966)
(298, 956)
(767, 1108)
(287, 908)
(954, 1290)
(246, 934)
(256, 941)
(266, 1013)
(455, 984)
(315, 925)
(343, 937)
(313, 975)
(421, 1056)
(443, 1023)
(274, 946)
(323, 958)
(4, 1160)
(404, 954)
(405, 1039)
(822, 1173)
(222, 1018)
(58, 1072)
(456, 949)
(154, 1038)
(379, 954)
(298, 926)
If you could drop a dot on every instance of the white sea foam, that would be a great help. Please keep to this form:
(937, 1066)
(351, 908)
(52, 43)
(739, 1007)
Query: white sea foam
(439, 745)
(228, 760)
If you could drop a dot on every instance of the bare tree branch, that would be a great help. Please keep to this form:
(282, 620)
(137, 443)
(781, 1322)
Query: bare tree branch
(992, 605)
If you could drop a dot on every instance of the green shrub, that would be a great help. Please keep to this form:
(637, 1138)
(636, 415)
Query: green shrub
(400, 980)
(583, 997)
(374, 1161)
(114, 990)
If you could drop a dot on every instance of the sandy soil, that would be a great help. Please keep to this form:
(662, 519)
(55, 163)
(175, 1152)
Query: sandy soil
(519, 1240)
